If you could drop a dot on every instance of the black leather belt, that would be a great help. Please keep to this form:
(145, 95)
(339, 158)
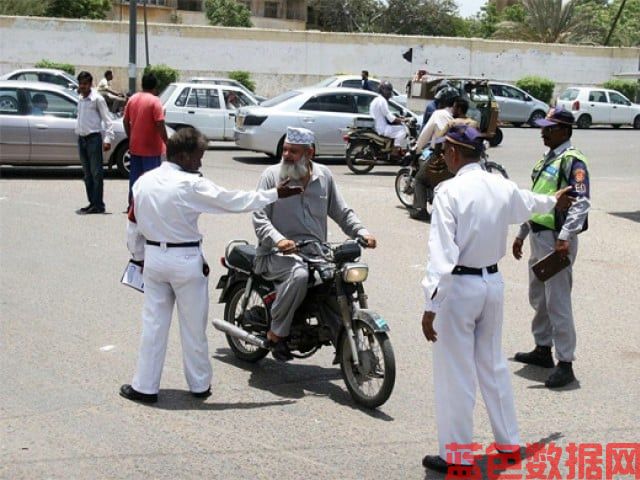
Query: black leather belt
(90, 135)
(174, 245)
(461, 270)
(536, 227)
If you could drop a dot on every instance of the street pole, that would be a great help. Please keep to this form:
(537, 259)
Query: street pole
(146, 35)
(615, 22)
(132, 45)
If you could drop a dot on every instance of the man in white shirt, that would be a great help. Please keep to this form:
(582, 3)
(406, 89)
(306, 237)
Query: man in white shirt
(464, 297)
(386, 123)
(115, 100)
(163, 237)
(93, 119)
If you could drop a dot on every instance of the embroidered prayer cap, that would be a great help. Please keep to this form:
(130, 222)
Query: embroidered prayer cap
(299, 136)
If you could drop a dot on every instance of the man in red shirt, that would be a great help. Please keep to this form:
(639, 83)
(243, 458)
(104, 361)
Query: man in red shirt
(144, 124)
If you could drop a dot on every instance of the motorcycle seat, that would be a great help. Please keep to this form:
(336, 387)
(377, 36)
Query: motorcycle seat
(242, 257)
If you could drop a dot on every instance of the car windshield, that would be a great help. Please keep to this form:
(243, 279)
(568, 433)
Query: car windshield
(280, 98)
(166, 93)
(570, 94)
(69, 78)
(326, 82)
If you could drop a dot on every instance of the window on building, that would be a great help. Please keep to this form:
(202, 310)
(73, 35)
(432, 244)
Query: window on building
(271, 9)
(295, 10)
(190, 5)
(246, 3)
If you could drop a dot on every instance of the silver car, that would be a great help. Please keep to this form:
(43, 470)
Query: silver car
(30, 137)
(516, 105)
(355, 81)
(325, 111)
(46, 75)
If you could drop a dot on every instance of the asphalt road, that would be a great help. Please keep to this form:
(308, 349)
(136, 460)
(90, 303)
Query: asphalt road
(69, 335)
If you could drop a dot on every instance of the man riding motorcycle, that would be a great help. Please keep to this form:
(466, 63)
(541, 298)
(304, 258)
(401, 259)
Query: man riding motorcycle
(386, 123)
(283, 223)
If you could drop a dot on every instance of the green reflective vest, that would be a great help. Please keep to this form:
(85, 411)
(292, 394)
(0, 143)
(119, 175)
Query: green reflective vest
(550, 177)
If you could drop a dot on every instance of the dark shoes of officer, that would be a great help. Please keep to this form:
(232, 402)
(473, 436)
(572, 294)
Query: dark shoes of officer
(540, 356)
(419, 214)
(562, 375)
(128, 392)
(436, 463)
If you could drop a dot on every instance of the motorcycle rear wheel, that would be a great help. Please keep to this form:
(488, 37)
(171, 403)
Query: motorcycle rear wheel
(405, 187)
(232, 314)
(359, 151)
(373, 387)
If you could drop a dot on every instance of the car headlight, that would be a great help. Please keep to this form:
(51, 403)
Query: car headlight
(355, 272)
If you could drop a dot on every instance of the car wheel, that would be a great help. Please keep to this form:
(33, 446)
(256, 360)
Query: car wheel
(584, 121)
(279, 149)
(123, 160)
(8, 103)
(497, 138)
(537, 115)
(636, 123)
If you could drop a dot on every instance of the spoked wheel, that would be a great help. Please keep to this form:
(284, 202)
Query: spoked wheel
(405, 187)
(371, 382)
(233, 314)
(358, 157)
(493, 167)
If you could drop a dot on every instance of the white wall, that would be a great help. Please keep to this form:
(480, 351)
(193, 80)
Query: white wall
(279, 60)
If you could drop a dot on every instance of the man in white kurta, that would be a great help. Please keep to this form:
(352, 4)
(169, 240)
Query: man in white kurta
(163, 234)
(386, 123)
(464, 296)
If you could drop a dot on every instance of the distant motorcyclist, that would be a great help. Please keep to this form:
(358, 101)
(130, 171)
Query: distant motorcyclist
(386, 123)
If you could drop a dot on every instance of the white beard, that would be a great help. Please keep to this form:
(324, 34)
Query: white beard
(294, 171)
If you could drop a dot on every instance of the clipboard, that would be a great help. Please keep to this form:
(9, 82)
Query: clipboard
(132, 276)
(547, 267)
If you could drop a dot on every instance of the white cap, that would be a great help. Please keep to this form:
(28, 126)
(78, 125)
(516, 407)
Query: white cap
(300, 136)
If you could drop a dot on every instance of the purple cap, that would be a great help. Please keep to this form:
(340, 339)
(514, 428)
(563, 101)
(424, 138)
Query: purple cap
(464, 136)
(557, 116)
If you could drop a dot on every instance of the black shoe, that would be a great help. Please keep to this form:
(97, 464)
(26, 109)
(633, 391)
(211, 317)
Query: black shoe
(562, 375)
(436, 463)
(127, 391)
(94, 210)
(205, 394)
(84, 209)
(279, 350)
(419, 214)
(540, 356)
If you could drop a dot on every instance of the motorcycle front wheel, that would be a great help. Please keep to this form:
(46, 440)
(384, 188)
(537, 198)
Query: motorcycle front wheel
(371, 382)
(233, 313)
(356, 154)
(405, 187)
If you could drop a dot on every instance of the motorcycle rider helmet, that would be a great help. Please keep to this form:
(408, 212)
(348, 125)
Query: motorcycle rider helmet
(446, 96)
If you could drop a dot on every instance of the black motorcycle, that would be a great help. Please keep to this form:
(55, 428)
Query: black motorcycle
(406, 180)
(366, 148)
(334, 312)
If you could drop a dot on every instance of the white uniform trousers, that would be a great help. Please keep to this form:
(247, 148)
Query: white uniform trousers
(397, 132)
(174, 275)
(552, 323)
(469, 328)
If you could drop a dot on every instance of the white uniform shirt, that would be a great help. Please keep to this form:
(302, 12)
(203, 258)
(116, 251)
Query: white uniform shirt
(469, 224)
(93, 114)
(379, 110)
(168, 201)
(104, 85)
(437, 122)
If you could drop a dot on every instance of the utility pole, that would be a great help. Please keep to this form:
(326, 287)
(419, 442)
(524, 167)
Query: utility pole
(132, 45)
(146, 35)
(615, 22)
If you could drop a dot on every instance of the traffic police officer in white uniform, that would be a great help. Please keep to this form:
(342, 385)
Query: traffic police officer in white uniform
(464, 295)
(163, 233)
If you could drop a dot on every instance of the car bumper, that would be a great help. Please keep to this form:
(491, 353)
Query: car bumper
(256, 140)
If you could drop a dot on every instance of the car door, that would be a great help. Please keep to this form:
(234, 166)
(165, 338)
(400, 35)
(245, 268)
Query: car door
(52, 130)
(232, 100)
(514, 104)
(621, 111)
(203, 111)
(15, 144)
(505, 110)
(328, 116)
(598, 106)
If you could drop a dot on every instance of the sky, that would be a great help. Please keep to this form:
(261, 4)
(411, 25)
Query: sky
(468, 8)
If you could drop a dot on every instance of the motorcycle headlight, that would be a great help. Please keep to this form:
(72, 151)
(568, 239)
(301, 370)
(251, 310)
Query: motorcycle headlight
(355, 272)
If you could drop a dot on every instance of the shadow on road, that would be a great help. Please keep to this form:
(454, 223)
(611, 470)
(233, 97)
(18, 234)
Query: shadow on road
(52, 173)
(633, 216)
(531, 372)
(171, 399)
(296, 381)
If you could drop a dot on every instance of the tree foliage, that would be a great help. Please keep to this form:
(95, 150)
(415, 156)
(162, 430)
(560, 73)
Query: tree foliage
(164, 74)
(65, 67)
(24, 7)
(538, 87)
(346, 15)
(93, 9)
(227, 13)
(244, 78)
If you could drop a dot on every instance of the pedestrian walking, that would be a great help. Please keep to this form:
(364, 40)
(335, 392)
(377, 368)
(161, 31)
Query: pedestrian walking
(95, 134)
(144, 125)
(464, 297)
(163, 237)
(553, 323)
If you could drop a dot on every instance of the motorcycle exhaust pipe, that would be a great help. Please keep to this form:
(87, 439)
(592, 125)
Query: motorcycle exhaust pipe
(237, 332)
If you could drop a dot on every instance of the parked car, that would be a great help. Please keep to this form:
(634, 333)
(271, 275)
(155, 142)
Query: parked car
(46, 75)
(355, 81)
(228, 82)
(599, 106)
(516, 105)
(209, 108)
(325, 111)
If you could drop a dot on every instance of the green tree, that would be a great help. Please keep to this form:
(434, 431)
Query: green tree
(24, 7)
(346, 15)
(422, 17)
(164, 73)
(227, 13)
(93, 9)
(244, 78)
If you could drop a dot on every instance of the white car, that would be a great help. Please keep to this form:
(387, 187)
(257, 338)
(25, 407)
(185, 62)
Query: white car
(328, 112)
(46, 75)
(599, 106)
(355, 81)
(209, 108)
(229, 82)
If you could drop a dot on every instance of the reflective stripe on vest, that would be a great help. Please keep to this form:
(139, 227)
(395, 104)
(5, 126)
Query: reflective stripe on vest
(548, 179)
